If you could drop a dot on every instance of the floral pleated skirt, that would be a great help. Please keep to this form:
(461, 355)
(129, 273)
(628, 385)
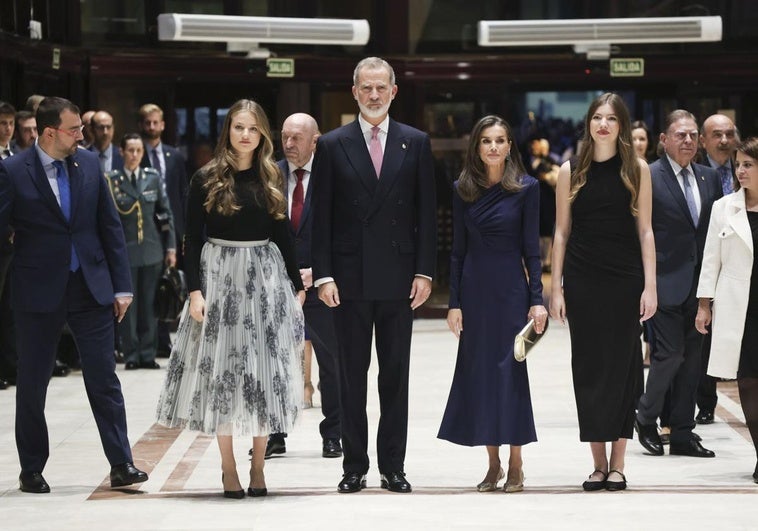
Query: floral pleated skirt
(239, 371)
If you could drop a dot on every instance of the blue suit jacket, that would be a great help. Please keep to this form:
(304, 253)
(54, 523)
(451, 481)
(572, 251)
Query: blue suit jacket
(678, 242)
(373, 235)
(43, 235)
(117, 162)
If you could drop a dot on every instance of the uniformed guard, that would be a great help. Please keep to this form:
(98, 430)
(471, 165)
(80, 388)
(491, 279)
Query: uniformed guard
(148, 226)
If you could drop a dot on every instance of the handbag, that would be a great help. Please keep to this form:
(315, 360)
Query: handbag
(526, 339)
(170, 295)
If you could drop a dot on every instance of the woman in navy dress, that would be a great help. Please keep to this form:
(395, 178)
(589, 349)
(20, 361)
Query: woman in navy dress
(496, 234)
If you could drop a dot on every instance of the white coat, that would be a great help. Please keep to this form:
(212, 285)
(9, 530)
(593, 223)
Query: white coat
(725, 278)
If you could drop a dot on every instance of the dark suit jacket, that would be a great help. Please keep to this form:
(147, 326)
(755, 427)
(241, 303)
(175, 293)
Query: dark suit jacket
(678, 243)
(707, 163)
(43, 236)
(152, 200)
(117, 162)
(372, 236)
(177, 185)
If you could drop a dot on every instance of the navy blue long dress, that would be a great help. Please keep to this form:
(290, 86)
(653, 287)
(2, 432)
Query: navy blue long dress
(493, 239)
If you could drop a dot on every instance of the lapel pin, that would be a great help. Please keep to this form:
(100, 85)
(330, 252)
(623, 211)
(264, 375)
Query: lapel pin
(404, 146)
(76, 164)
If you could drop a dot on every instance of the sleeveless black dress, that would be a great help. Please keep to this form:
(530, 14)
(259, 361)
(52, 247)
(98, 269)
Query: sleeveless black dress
(748, 367)
(603, 281)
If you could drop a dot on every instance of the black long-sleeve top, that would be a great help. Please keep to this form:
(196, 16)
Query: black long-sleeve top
(252, 222)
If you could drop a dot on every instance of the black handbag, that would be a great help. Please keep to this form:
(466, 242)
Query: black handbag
(170, 295)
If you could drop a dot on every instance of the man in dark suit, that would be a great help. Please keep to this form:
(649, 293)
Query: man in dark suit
(299, 136)
(26, 131)
(148, 225)
(70, 267)
(108, 154)
(683, 194)
(719, 139)
(374, 246)
(173, 169)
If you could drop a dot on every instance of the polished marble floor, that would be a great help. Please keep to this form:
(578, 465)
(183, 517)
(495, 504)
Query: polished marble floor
(183, 491)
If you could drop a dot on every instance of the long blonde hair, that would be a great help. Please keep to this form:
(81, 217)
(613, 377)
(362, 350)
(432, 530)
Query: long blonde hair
(630, 166)
(219, 172)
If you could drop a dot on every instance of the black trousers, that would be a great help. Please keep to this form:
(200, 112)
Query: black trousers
(706, 389)
(674, 364)
(390, 323)
(137, 330)
(319, 323)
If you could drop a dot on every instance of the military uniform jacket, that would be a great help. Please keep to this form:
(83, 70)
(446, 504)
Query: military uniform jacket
(145, 213)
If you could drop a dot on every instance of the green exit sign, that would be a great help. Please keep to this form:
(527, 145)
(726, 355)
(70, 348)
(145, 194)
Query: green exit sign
(630, 67)
(280, 67)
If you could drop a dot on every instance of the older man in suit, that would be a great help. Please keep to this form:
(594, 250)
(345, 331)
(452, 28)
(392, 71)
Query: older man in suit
(719, 139)
(683, 194)
(108, 154)
(374, 246)
(71, 267)
(299, 135)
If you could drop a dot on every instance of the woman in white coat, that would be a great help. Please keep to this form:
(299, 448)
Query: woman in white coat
(729, 282)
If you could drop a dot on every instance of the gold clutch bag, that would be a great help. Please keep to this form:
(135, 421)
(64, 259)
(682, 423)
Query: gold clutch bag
(526, 339)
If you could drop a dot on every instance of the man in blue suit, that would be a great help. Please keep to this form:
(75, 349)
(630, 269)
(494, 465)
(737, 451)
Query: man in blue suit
(683, 194)
(70, 267)
(108, 154)
(374, 250)
(299, 135)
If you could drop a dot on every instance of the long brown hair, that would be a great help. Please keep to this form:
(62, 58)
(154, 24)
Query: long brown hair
(473, 178)
(219, 172)
(630, 166)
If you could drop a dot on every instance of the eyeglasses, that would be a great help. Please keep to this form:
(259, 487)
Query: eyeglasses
(681, 136)
(73, 132)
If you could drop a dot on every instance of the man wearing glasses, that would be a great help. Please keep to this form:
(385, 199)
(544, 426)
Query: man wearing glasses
(683, 193)
(70, 267)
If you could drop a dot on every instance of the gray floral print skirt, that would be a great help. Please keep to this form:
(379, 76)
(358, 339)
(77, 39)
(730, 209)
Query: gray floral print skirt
(239, 372)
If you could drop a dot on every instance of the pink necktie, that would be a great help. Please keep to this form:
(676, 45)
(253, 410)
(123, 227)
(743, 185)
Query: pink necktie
(375, 150)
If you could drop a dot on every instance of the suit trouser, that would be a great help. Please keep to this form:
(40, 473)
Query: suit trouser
(319, 322)
(706, 389)
(37, 337)
(355, 322)
(674, 364)
(139, 339)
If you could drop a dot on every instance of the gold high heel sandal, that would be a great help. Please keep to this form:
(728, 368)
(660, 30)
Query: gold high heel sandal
(515, 487)
(488, 486)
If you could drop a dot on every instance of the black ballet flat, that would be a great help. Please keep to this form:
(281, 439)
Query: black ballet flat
(257, 493)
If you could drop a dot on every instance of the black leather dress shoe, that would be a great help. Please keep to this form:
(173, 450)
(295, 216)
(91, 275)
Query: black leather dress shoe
(61, 369)
(131, 365)
(691, 449)
(352, 482)
(3, 384)
(33, 482)
(126, 474)
(149, 365)
(395, 482)
(704, 416)
(331, 448)
(118, 356)
(275, 445)
(648, 436)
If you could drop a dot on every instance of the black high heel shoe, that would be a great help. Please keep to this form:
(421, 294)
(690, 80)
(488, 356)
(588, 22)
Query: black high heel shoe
(256, 493)
(233, 494)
